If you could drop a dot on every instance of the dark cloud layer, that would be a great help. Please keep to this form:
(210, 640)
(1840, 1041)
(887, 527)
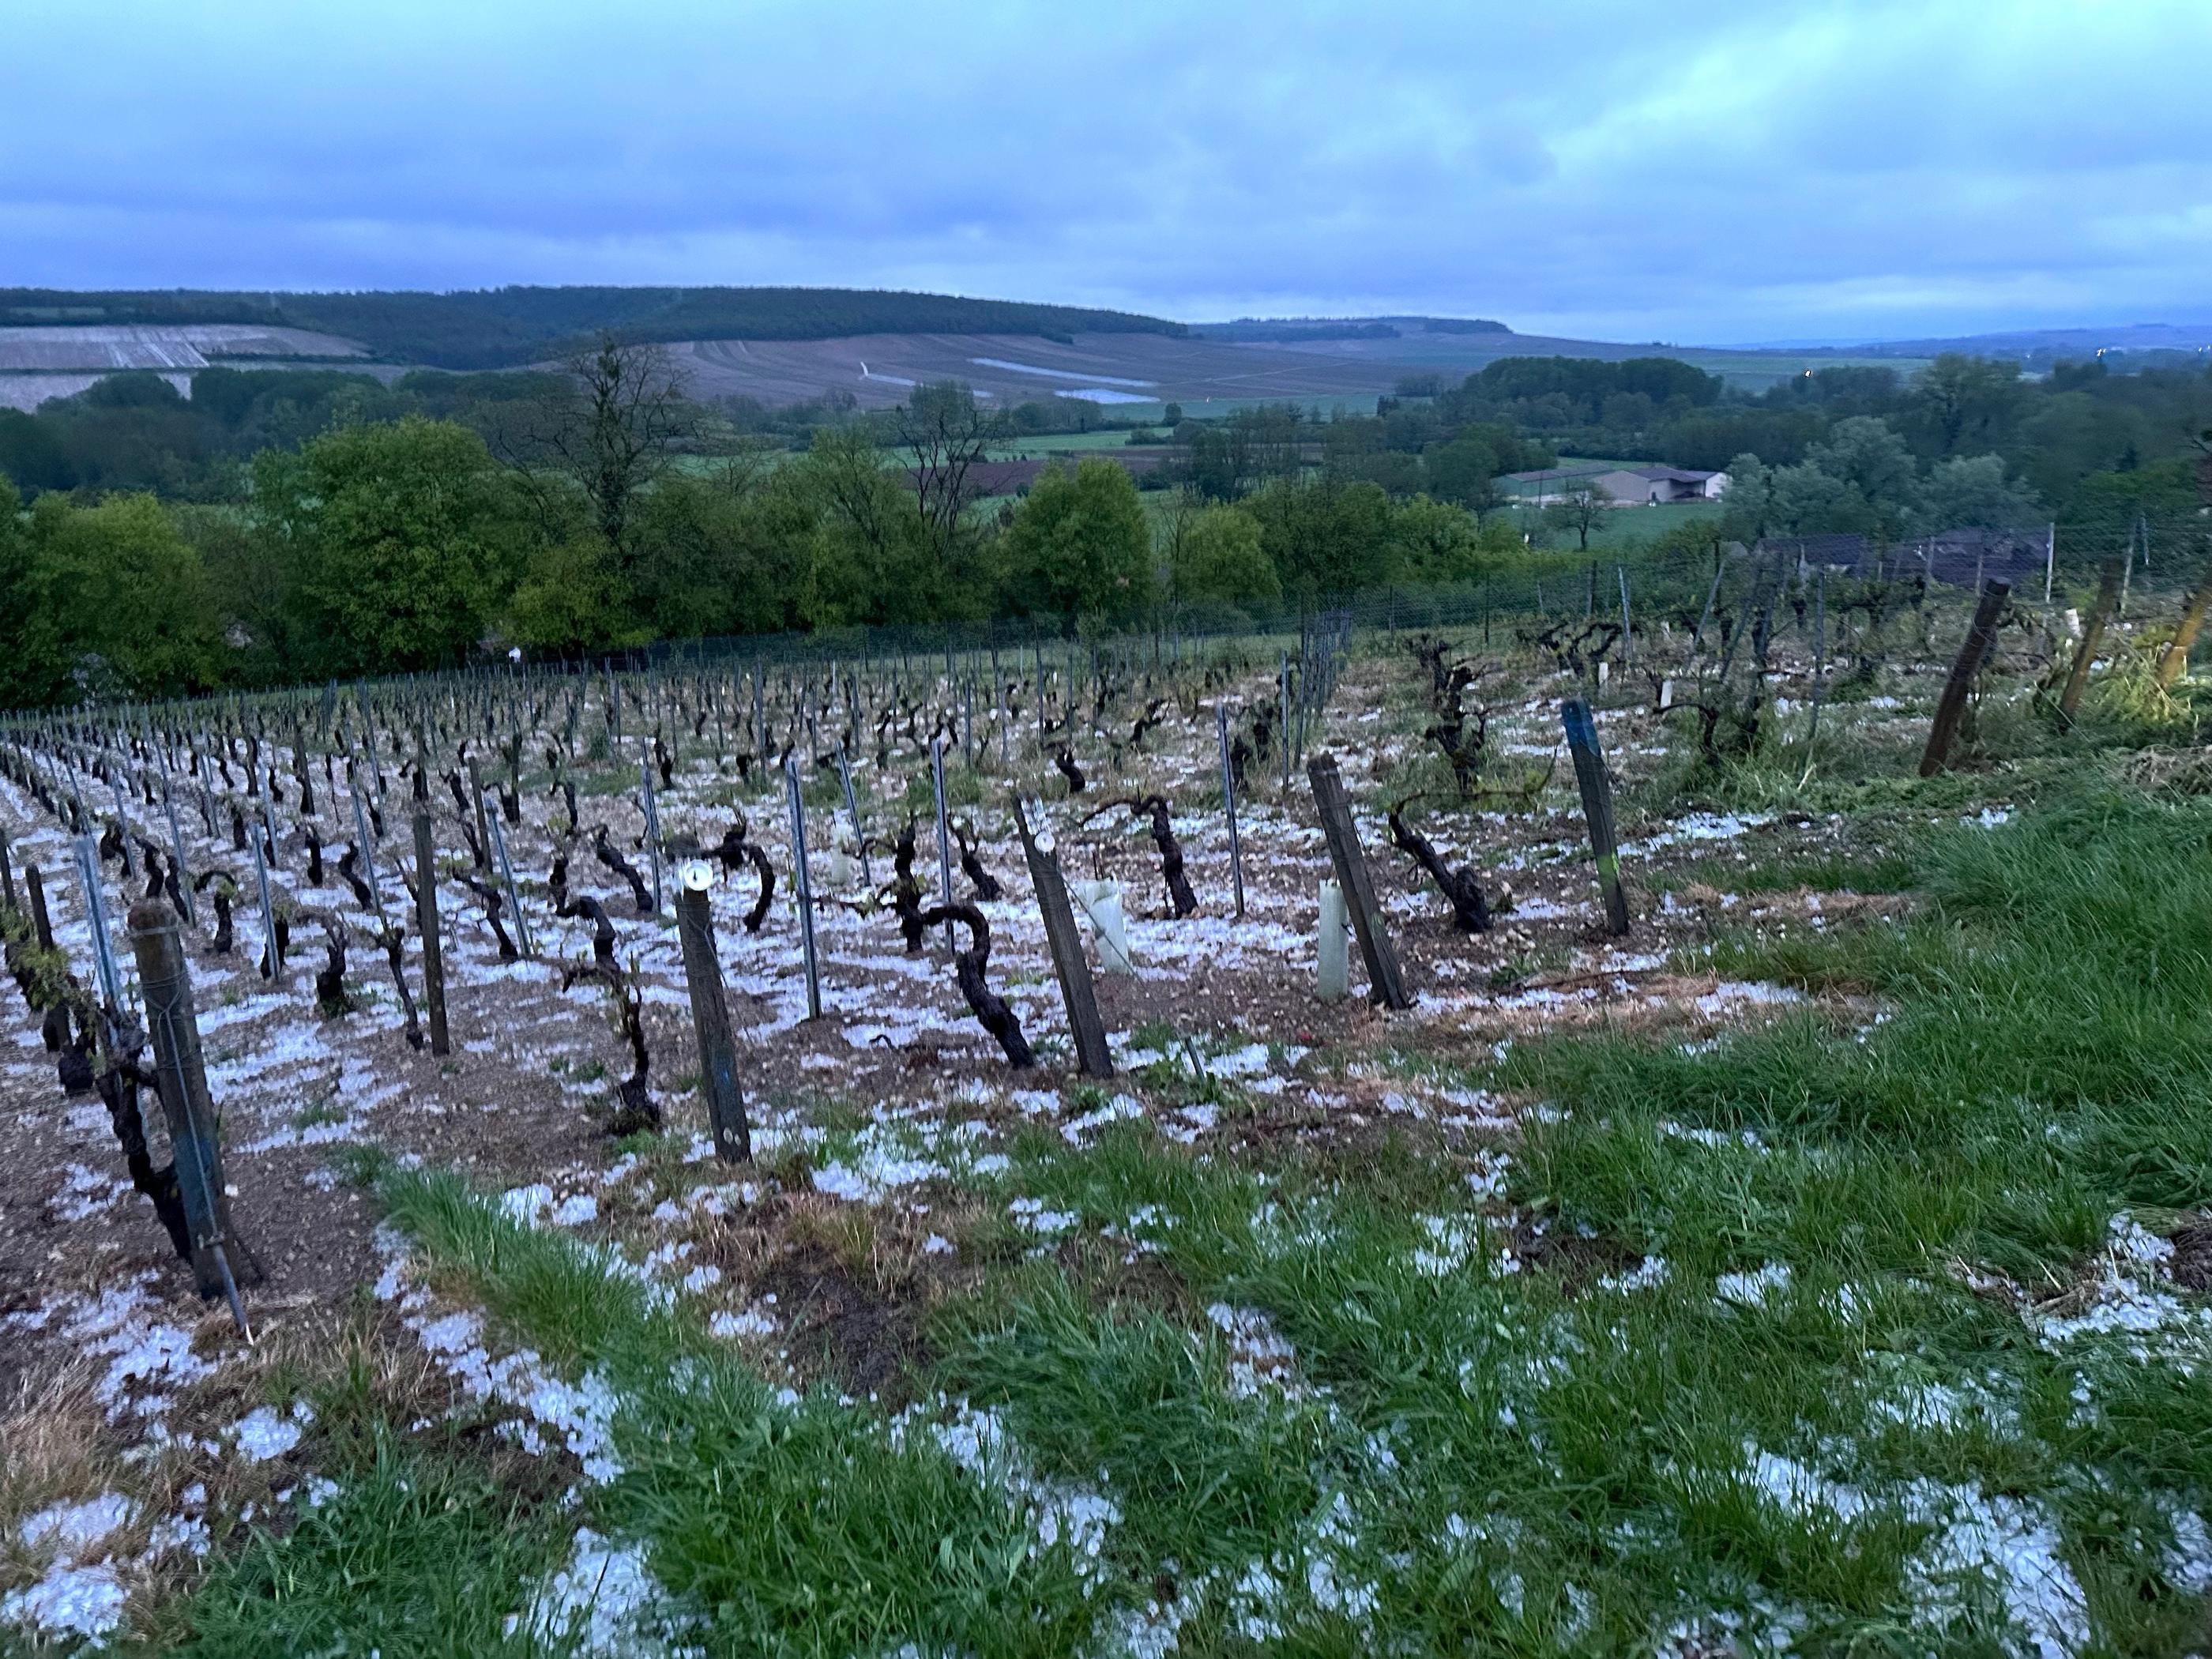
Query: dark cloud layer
(1736, 170)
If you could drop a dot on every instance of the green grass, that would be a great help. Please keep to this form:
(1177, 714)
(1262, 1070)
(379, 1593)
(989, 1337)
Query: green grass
(788, 1525)
(1324, 1403)
(417, 1556)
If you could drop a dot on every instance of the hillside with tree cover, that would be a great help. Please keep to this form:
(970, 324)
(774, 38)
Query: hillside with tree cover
(500, 328)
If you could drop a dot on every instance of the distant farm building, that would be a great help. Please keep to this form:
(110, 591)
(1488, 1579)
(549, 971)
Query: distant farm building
(1626, 486)
(1653, 485)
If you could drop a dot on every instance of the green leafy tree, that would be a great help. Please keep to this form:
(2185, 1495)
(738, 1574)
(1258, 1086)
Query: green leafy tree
(117, 604)
(21, 685)
(402, 541)
(1969, 491)
(572, 602)
(1866, 453)
(1079, 544)
(1217, 559)
(1960, 401)
(1466, 472)
(718, 555)
(1325, 537)
(870, 556)
(1440, 542)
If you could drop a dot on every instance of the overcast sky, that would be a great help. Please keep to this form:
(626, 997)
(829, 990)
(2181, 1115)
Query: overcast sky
(1732, 170)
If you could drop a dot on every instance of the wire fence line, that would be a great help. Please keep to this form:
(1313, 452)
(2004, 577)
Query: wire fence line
(1633, 585)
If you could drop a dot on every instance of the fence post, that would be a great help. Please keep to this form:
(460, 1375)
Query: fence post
(174, 1026)
(710, 1014)
(7, 874)
(1093, 1058)
(1228, 806)
(2093, 632)
(1597, 809)
(1385, 983)
(1973, 651)
(803, 884)
(426, 918)
(2174, 660)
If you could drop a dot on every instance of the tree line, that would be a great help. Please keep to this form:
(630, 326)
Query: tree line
(280, 526)
(578, 515)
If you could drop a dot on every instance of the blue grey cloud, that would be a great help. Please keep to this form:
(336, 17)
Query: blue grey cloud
(1745, 169)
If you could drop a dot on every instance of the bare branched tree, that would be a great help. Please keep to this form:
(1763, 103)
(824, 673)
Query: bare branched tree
(605, 426)
(947, 432)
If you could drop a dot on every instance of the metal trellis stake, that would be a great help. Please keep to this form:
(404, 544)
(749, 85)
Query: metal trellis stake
(803, 884)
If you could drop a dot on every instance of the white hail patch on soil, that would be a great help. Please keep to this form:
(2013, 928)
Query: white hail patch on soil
(2129, 1303)
(1061, 1514)
(72, 1529)
(261, 1434)
(579, 1416)
(69, 1601)
(605, 1604)
(1755, 1288)
(1261, 1359)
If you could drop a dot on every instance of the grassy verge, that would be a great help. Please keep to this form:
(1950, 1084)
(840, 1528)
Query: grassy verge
(1856, 1332)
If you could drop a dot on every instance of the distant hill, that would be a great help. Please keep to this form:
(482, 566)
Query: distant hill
(2039, 347)
(500, 328)
(1291, 331)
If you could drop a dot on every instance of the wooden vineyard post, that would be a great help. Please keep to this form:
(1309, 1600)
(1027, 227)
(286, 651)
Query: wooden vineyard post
(7, 874)
(1283, 737)
(426, 918)
(1597, 810)
(1704, 616)
(34, 888)
(1092, 1057)
(943, 833)
(1973, 651)
(2093, 633)
(1385, 983)
(174, 1026)
(802, 884)
(651, 825)
(710, 1014)
(1229, 807)
(2175, 658)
